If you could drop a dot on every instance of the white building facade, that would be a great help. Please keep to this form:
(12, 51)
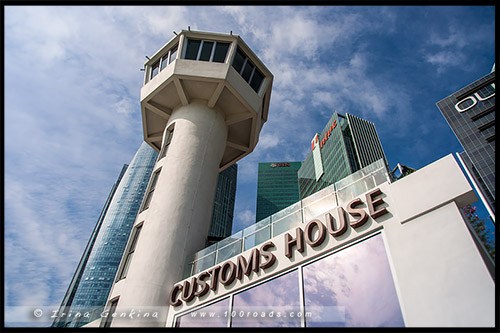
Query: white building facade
(401, 255)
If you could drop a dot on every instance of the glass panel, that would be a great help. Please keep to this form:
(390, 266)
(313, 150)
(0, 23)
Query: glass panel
(164, 61)
(318, 208)
(286, 223)
(229, 251)
(206, 251)
(192, 49)
(285, 211)
(173, 54)
(247, 71)
(257, 238)
(230, 239)
(126, 265)
(369, 182)
(239, 59)
(274, 303)
(213, 315)
(257, 79)
(206, 51)
(259, 225)
(204, 263)
(155, 69)
(220, 52)
(380, 176)
(352, 288)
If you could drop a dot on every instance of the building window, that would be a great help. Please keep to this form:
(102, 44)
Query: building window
(112, 309)
(130, 252)
(168, 139)
(149, 193)
(248, 70)
(166, 59)
(204, 50)
(352, 288)
(278, 295)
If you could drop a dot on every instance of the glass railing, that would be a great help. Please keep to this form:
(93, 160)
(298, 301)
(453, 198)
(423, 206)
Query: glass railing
(294, 215)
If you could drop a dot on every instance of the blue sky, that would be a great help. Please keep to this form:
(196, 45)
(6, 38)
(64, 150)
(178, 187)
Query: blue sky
(72, 112)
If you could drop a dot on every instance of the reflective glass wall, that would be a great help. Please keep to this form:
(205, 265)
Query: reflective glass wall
(351, 287)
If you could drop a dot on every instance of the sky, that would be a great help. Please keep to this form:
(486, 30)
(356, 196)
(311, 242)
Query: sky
(72, 110)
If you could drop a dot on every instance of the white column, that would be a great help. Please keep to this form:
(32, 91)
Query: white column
(177, 221)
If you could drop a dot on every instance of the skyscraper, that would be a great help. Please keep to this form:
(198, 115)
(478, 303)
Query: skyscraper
(91, 293)
(470, 112)
(96, 271)
(223, 210)
(346, 144)
(277, 187)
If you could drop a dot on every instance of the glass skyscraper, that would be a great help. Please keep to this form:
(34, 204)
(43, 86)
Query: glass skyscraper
(346, 144)
(96, 271)
(223, 210)
(470, 112)
(277, 187)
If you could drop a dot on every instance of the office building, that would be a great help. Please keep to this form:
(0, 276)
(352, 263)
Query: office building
(470, 112)
(223, 209)
(97, 268)
(277, 187)
(204, 101)
(346, 144)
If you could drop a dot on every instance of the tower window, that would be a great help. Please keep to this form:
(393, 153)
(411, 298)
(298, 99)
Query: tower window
(168, 139)
(204, 50)
(130, 252)
(166, 59)
(247, 70)
(149, 194)
(112, 310)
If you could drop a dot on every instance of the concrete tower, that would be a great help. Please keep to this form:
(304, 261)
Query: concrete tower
(204, 101)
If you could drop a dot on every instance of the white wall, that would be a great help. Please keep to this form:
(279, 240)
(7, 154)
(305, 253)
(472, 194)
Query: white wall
(440, 277)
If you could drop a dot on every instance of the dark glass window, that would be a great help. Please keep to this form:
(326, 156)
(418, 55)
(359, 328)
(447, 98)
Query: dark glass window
(239, 60)
(206, 51)
(164, 61)
(220, 52)
(257, 79)
(155, 69)
(247, 71)
(192, 49)
(352, 288)
(173, 54)
(168, 139)
(112, 310)
(280, 295)
(213, 315)
(130, 252)
(149, 194)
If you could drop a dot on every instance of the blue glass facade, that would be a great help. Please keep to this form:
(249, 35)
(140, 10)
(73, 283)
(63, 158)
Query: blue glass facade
(94, 277)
